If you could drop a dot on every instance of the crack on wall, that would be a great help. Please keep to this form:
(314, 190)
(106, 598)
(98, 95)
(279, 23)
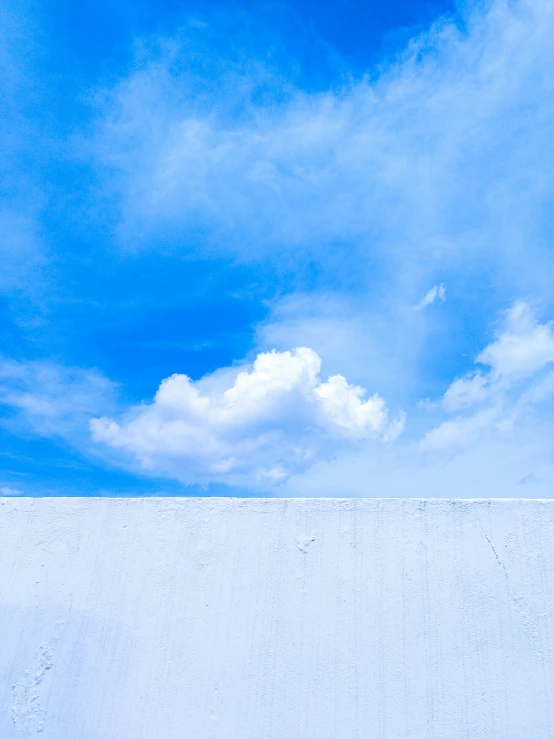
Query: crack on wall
(530, 626)
(500, 562)
(502, 565)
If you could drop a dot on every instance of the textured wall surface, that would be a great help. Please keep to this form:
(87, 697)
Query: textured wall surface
(276, 619)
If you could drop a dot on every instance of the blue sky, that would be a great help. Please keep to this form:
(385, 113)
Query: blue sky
(277, 248)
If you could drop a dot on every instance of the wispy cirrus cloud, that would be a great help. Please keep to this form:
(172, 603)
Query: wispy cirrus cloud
(421, 165)
(51, 400)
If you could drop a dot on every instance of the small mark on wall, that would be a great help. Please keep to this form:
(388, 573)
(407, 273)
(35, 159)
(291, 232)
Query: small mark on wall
(304, 542)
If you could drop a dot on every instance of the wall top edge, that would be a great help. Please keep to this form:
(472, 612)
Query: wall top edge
(183, 499)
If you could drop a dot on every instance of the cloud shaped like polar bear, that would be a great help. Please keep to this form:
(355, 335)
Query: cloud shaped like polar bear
(254, 426)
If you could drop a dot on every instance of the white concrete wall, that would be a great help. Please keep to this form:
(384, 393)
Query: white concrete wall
(276, 619)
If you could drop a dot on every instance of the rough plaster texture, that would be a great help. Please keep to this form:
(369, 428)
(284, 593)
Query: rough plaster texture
(276, 619)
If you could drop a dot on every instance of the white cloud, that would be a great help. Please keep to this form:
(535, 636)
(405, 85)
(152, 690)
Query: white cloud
(343, 404)
(50, 400)
(9, 491)
(465, 391)
(438, 292)
(460, 432)
(442, 159)
(523, 346)
(522, 349)
(255, 426)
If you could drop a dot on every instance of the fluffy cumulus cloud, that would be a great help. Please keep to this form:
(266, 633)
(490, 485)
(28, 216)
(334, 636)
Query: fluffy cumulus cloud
(518, 379)
(252, 427)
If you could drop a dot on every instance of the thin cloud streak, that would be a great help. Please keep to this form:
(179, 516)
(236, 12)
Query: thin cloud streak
(437, 292)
